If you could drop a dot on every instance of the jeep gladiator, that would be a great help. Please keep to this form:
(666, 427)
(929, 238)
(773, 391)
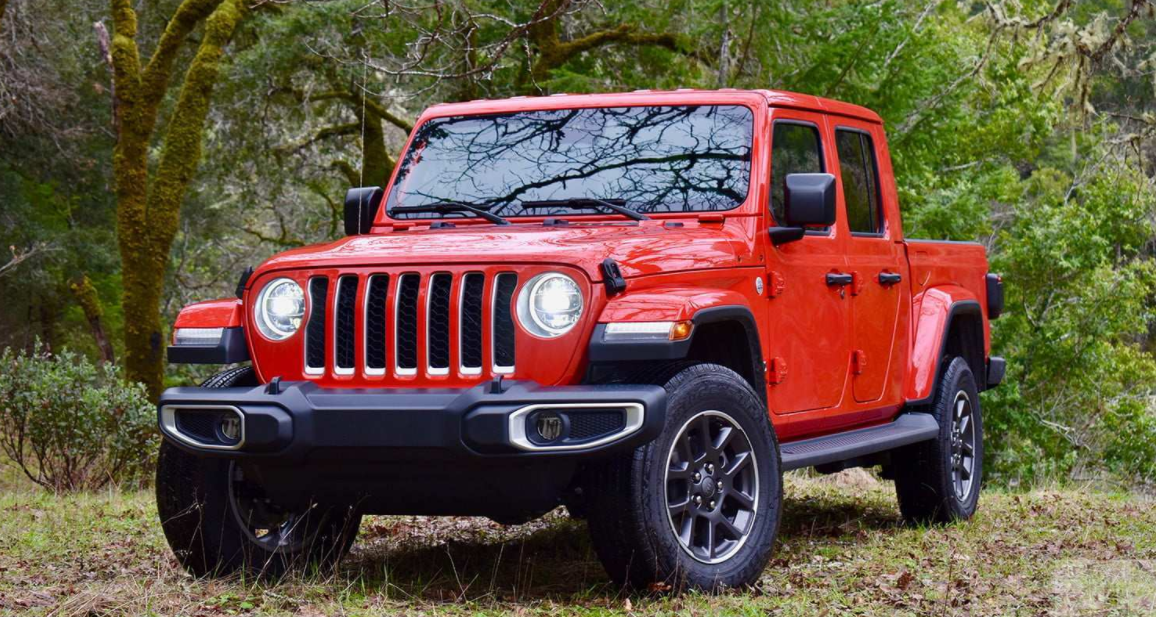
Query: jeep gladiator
(644, 306)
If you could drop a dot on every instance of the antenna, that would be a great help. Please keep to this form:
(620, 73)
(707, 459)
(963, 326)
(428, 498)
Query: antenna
(361, 171)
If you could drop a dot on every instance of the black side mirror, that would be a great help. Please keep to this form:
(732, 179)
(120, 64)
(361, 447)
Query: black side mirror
(361, 207)
(809, 201)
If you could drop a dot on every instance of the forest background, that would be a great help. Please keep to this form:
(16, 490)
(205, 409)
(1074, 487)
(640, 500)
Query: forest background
(150, 150)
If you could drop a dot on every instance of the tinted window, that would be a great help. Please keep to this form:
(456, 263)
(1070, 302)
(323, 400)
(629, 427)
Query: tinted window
(653, 159)
(860, 180)
(795, 149)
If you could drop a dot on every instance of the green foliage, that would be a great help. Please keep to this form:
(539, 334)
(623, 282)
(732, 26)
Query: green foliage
(1079, 286)
(71, 425)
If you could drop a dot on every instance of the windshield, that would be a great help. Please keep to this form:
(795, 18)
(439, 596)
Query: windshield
(650, 159)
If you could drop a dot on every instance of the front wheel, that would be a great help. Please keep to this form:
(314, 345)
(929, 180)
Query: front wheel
(218, 522)
(699, 507)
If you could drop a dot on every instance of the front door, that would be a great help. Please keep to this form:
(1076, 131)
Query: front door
(874, 258)
(808, 319)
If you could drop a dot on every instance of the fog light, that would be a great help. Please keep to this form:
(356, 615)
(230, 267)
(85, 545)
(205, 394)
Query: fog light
(549, 426)
(230, 429)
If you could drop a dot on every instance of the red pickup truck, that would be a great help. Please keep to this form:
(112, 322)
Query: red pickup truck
(644, 306)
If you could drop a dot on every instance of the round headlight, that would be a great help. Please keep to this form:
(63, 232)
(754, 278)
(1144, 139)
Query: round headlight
(550, 304)
(280, 309)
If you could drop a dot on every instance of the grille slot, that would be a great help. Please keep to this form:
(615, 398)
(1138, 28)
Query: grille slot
(315, 329)
(470, 323)
(438, 323)
(345, 302)
(405, 318)
(504, 285)
(375, 303)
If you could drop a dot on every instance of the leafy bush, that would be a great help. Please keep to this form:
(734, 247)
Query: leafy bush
(71, 425)
(1080, 280)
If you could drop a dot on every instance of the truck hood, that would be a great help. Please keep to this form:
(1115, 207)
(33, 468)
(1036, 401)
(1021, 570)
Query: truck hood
(646, 248)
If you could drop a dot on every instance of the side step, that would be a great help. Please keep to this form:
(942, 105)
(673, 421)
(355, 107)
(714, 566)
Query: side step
(908, 428)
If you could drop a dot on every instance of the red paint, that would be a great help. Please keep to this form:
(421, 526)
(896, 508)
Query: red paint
(855, 354)
(224, 313)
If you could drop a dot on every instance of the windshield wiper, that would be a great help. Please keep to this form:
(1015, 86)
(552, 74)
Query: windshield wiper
(616, 205)
(453, 206)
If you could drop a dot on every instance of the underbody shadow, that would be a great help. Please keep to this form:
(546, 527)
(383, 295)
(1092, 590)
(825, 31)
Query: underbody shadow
(552, 558)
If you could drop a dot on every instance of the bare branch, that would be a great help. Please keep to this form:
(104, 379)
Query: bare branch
(20, 256)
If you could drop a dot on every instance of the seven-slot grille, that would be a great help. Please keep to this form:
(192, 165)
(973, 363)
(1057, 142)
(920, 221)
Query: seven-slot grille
(394, 307)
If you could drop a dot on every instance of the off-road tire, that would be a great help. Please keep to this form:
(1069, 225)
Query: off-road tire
(627, 494)
(202, 525)
(924, 478)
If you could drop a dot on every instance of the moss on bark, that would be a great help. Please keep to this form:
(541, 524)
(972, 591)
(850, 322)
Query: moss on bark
(86, 296)
(148, 205)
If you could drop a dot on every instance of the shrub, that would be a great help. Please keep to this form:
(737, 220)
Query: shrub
(71, 425)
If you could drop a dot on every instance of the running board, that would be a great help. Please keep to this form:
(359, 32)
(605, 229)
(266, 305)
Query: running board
(907, 429)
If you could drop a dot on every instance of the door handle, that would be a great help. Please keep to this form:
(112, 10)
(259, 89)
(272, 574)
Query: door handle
(840, 279)
(889, 278)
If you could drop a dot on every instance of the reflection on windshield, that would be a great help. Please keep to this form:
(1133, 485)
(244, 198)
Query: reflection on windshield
(657, 159)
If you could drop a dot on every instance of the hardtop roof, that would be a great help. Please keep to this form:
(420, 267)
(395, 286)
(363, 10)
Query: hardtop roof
(774, 98)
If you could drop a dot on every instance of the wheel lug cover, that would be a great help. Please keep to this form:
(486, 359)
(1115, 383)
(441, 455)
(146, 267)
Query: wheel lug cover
(712, 503)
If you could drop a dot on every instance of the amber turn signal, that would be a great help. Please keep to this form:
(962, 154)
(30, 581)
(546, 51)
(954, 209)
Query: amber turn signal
(681, 330)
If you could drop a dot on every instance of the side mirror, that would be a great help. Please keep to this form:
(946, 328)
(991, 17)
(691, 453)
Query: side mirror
(361, 207)
(809, 200)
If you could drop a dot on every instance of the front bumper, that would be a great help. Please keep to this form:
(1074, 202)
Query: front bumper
(294, 423)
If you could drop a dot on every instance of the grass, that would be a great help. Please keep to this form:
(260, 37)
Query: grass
(842, 550)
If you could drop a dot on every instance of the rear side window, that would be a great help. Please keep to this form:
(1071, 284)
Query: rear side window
(795, 149)
(860, 181)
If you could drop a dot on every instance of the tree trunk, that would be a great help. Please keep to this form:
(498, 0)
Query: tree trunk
(148, 209)
(89, 302)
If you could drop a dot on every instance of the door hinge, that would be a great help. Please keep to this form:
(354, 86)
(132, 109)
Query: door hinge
(858, 361)
(776, 284)
(778, 372)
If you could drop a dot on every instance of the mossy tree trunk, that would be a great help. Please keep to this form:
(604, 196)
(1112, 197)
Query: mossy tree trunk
(377, 163)
(86, 296)
(149, 203)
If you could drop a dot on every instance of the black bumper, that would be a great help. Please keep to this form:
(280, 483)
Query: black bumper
(302, 422)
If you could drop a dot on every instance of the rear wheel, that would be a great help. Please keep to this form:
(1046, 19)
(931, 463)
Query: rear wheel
(939, 480)
(217, 521)
(699, 507)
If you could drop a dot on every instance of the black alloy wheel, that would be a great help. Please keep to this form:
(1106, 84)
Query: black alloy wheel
(712, 487)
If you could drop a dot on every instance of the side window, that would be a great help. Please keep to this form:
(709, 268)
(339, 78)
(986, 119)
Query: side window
(860, 180)
(795, 149)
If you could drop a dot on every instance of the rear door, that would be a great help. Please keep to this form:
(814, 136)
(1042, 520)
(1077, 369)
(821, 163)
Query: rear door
(808, 319)
(874, 257)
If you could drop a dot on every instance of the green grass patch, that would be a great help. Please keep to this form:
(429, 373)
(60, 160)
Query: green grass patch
(842, 550)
